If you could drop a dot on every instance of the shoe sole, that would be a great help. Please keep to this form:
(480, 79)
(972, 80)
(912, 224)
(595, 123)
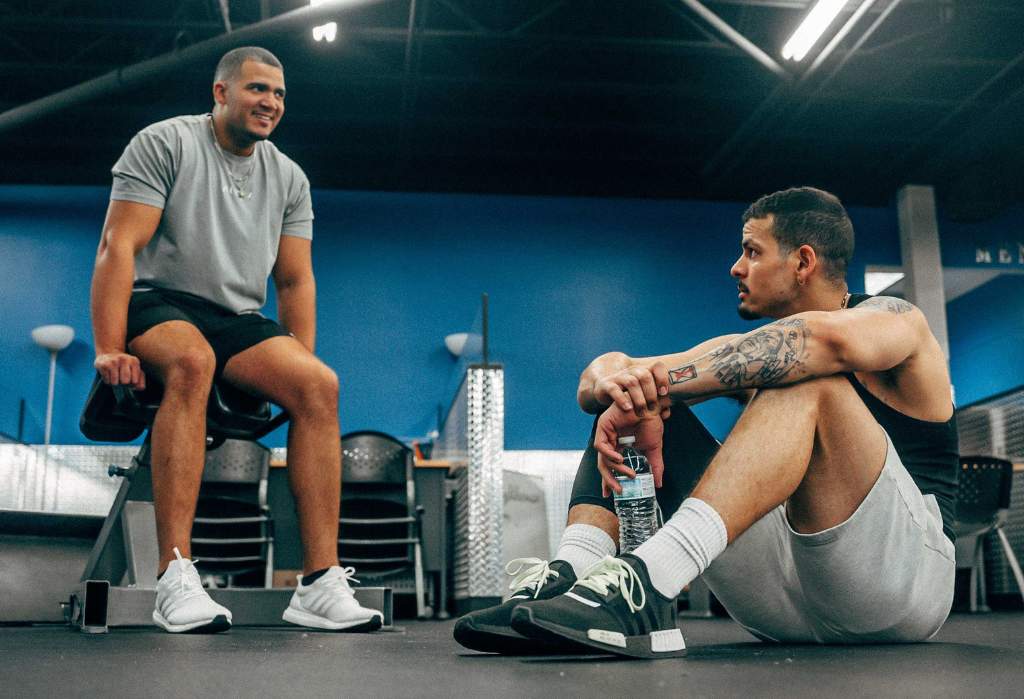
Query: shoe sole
(312, 621)
(503, 640)
(217, 624)
(524, 622)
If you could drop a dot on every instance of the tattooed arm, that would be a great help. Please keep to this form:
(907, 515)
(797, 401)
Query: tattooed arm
(634, 383)
(879, 334)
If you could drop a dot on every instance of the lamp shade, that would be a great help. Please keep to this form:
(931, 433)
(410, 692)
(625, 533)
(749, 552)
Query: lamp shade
(464, 344)
(53, 337)
(455, 343)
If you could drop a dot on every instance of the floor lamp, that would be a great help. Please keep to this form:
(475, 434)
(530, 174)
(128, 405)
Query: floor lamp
(52, 338)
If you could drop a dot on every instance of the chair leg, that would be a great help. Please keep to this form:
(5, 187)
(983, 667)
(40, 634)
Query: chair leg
(982, 578)
(977, 560)
(421, 607)
(1011, 558)
(268, 575)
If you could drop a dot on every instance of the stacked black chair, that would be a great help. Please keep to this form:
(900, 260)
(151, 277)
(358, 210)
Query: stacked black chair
(983, 501)
(379, 530)
(232, 537)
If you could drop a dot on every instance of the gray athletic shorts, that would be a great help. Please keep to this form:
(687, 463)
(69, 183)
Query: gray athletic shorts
(884, 575)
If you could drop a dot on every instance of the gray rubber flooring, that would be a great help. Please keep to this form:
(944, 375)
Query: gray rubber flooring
(973, 656)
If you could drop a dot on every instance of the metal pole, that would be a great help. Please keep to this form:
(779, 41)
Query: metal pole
(49, 399)
(485, 330)
(129, 76)
(735, 37)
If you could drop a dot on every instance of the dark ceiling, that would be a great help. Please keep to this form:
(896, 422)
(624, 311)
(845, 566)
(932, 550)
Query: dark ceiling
(572, 97)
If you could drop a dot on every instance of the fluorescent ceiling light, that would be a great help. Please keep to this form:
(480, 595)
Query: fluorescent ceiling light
(811, 29)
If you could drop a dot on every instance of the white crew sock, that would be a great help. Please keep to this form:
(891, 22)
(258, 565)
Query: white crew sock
(583, 545)
(693, 537)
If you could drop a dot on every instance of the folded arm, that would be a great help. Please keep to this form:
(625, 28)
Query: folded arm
(878, 335)
(638, 384)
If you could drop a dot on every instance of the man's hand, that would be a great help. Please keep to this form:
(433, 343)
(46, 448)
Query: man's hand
(616, 422)
(635, 389)
(120, 368)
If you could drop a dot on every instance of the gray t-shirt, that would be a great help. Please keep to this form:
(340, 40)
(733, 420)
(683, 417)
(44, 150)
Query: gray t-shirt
(223, 215)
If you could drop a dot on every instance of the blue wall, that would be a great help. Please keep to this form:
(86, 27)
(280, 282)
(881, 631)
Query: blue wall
(567, 278)
(986, 339)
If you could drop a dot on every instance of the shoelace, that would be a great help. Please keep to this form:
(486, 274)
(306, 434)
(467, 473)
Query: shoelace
(339, 581)
(614, 572)
(188, 576)
(529, 572)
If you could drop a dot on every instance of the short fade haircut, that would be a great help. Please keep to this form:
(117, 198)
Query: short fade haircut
(809, 216)
(230, 64)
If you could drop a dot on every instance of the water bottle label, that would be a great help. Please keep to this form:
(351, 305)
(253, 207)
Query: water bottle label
(638, 488)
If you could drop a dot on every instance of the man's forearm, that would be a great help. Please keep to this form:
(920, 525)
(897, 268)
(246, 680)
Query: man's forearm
(784, 352)
(111, 292)
(296, 307)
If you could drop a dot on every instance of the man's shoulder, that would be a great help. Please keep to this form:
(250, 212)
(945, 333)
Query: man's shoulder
(176, 128)
(283, 161)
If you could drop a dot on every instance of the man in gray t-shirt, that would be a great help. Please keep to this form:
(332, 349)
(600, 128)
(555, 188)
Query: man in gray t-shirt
(202, 210)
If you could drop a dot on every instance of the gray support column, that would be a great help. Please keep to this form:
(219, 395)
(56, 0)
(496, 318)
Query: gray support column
(922, 259)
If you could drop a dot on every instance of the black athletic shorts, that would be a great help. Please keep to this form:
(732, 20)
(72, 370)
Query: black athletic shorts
(688, 448)
(228, 333)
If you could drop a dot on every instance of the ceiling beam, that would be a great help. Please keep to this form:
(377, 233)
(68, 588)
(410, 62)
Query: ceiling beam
(745, 44)
(775, 107)
(123, 78)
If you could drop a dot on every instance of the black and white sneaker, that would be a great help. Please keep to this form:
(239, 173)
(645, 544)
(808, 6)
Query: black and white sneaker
(489, 630)
(613, 608)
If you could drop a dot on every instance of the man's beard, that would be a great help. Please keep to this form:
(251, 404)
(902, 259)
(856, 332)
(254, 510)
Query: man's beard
(746, 313)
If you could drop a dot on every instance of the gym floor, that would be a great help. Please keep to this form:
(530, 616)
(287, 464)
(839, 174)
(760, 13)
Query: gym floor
(973, 656)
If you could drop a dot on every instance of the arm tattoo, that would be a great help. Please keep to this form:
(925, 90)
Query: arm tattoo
(762, 358)
(682, 374)
(888, 303)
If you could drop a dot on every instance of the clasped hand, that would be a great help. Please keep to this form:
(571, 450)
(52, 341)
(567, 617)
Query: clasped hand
(649, 431)
(637, 388)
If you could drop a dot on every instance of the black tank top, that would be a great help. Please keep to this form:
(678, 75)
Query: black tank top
(929, 450)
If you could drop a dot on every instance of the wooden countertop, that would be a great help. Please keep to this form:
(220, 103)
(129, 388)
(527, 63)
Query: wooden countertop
(418, 463)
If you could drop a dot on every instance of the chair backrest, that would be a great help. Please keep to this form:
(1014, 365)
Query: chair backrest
(374, 457)
(983, 488)
(237, 461)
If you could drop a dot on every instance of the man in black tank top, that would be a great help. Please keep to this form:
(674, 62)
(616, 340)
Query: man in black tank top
(820, 519)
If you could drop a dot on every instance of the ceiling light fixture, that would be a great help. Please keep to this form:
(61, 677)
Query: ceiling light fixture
(325, 32)
(811, 29)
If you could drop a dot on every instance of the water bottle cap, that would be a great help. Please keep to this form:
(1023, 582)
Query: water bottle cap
(627, 440)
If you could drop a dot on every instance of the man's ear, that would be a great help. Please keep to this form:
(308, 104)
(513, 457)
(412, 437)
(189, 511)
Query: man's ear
(220, 89)
(807, 261)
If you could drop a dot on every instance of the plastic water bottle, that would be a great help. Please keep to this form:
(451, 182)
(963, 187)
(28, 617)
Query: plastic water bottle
(636, 506)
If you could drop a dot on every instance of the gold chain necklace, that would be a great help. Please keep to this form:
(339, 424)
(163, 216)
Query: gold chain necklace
(846, 300)
(238, 182)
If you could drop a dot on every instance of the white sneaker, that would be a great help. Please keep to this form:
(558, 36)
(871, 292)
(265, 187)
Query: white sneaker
(183, 605)
(329, 604)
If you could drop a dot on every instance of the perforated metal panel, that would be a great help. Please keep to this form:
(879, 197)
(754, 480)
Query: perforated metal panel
(373, 458)
(994, 428)
(67, 479)
(237, 461)
(475, 432)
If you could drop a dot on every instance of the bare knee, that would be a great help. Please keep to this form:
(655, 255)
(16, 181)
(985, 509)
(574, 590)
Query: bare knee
(190, 372)
(316, 396)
